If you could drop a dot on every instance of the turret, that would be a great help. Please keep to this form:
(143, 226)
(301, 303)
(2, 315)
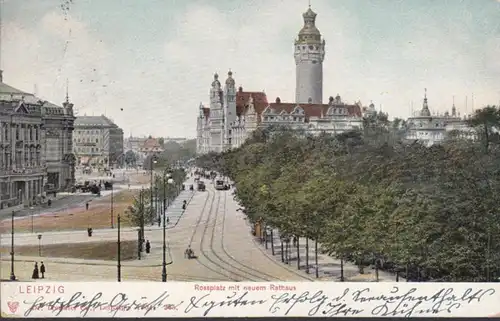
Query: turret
(309, 55)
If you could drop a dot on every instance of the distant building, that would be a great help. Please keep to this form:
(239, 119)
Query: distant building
(433, 129)
(134, 143)
(35, 147)
(98, 141)
(151, 146)
(179, 140)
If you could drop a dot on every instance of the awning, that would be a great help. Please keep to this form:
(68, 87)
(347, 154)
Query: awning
(84, 160)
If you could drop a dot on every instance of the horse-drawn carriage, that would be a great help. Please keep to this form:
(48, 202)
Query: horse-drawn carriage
(189, 253)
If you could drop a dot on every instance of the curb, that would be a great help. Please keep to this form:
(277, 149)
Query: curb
(111, 263)
(183, 211)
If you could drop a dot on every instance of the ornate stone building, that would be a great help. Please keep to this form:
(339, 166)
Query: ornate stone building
(98, 141)
(233, 114)
(35, 147)
(431, 129)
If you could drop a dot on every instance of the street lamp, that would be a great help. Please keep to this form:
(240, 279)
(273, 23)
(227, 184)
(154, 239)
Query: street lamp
(119, 265)
(39, 244)
(153, 161)
(164, 262)
(12, 275)
(112, 200)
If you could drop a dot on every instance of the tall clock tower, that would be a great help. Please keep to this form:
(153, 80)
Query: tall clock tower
(309, 55)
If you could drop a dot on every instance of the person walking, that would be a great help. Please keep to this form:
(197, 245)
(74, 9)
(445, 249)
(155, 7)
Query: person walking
(87, 206)
(35, 274)
(148, 246)
(42, 269)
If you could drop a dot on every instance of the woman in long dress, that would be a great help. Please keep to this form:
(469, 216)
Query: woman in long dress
(35, 272)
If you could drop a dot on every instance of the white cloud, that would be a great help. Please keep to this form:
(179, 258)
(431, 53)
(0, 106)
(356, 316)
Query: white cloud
(59, 48)
(160, 89)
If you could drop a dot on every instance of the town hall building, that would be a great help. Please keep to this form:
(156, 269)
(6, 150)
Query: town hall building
(233, 113)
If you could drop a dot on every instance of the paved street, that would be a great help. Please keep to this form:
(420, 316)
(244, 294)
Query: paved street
(218, 234)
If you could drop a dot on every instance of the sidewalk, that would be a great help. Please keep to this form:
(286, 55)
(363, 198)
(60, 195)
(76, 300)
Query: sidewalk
(328, 267)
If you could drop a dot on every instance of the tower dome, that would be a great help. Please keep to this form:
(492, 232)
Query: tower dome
(216, 81)
(425, 112)
(309, 32)
(230, 80)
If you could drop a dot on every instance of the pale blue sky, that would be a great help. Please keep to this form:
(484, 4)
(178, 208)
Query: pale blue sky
(156, 58)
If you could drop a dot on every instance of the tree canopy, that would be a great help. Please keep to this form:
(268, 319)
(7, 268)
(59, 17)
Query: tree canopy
(367, 196)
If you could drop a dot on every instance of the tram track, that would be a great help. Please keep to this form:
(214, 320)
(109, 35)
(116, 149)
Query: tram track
(220, 261)
(198, 222)
(245, 275)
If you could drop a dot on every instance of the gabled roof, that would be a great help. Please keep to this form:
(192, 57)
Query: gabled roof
(242, 98)
(314, 110)
(151, 143)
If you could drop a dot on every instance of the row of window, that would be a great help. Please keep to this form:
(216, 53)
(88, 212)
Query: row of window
(28, 159)
(87, 150)
(88, 132)
(22, 132)
(86, 140)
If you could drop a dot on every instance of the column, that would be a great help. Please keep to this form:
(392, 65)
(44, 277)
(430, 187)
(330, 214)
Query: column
(28, 192)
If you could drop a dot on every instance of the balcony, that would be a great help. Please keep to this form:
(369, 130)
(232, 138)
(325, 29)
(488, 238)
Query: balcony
(27, 171)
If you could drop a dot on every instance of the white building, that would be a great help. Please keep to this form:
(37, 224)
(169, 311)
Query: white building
(233, 114)
(97, 141)
(434, 129)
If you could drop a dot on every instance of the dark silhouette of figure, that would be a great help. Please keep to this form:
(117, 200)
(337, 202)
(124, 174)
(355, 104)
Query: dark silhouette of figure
(35, 272)
(87, 206)
(168, 220)
(49, 202)
(148, 247)
(42, 269)
(89, 231)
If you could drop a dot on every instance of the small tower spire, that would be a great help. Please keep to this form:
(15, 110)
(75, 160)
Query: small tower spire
(67, 90)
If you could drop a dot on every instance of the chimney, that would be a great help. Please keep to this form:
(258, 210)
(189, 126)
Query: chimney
(1, 76)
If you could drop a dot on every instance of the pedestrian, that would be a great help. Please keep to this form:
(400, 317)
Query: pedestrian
(35, 274)
(148, 246)
(42, 270)
(87, 206)
(168, 220)
(294, 241)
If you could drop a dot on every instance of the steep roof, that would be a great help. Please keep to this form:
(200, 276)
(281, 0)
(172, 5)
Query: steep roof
(94, 121)
(151, 143)
(259, 101)
(9, 93)
(315, 110)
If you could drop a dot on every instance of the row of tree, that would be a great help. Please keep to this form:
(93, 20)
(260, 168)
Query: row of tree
(372, 198)
(143, 211)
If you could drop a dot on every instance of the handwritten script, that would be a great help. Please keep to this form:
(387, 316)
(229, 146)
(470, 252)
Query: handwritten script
(351, 302)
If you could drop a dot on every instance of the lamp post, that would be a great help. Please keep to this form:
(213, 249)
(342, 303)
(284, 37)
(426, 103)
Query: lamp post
(164, 262)
(152, 162)
(12, 275)
(39, 244)
(111, 210)
(118, 254)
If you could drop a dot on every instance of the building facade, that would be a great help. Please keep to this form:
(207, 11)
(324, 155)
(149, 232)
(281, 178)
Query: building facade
(233, 114)
(433, 129)
(151, 146)
(35, 147)
(97, 142)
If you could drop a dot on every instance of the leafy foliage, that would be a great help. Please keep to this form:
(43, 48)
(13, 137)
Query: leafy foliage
(367, 197)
